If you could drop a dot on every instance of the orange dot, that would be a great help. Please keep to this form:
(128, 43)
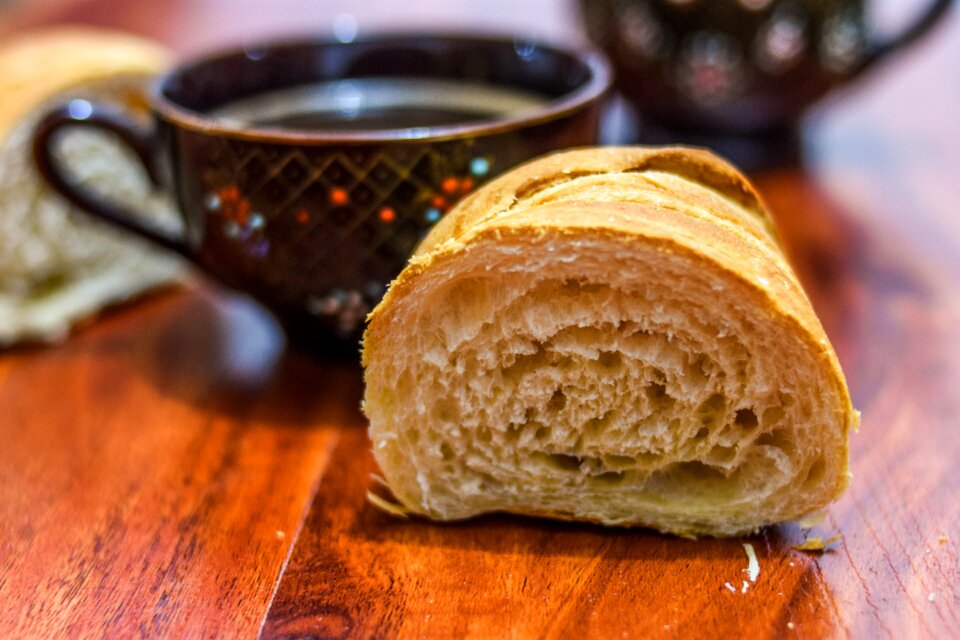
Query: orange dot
(439, 202)
(466, 185)
(387, 214)
(450, 185)
(243, 212)
(302, 216)
(339, 197)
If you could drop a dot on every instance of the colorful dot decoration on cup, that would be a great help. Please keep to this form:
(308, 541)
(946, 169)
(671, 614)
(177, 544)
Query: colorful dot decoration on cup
(240, 219)
(256, 220)
(240, 222)
(480, 166)
(454, 187)
(450, 185)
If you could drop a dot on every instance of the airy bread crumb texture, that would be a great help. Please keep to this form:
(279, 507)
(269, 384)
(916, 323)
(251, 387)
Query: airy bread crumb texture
(623, 343)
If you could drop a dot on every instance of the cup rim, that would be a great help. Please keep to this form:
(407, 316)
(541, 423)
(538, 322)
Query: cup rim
(598, 83)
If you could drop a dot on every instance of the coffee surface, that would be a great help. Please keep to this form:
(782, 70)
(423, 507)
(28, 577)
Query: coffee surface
(379, 103)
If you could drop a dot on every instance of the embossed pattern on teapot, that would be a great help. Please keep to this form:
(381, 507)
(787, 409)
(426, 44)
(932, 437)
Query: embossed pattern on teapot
(737, 66)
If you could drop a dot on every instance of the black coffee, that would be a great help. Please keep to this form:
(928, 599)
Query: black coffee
(379, 103)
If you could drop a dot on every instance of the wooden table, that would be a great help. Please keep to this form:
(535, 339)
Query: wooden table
(172, 471)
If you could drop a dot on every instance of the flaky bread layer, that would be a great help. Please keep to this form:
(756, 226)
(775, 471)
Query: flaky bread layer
(624, 346)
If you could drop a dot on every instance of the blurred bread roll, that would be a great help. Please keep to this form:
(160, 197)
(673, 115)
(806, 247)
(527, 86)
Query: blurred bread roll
(610, 335)
(57, 266)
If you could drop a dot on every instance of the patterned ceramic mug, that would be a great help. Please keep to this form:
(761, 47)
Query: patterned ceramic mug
(306, 172)
(744, 67)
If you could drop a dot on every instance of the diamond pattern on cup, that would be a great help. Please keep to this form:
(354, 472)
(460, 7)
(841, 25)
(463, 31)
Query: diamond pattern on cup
(321, 207)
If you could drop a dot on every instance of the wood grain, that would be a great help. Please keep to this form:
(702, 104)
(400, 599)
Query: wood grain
(154, 473)
(360, 573)
(147, 465)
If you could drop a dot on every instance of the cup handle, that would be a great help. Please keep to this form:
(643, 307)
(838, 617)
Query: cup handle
(141, 139)
(926, 20)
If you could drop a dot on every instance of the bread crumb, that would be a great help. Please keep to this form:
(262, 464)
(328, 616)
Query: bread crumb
(746, 585)
(943, 539)
(281, 535)
(386, 506)
(932, 596)
(816, 543)
(790, 625)
(753, 566)
(732, 588)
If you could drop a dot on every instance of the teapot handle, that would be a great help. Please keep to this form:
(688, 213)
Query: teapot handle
(879, 50)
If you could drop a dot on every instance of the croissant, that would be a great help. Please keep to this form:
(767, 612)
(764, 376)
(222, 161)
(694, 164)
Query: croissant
(611, 335)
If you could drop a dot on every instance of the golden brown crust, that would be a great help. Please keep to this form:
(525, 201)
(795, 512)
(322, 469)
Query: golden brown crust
(525, 181)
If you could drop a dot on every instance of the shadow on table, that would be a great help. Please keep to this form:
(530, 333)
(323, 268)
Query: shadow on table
(214, 351)
(223, 354)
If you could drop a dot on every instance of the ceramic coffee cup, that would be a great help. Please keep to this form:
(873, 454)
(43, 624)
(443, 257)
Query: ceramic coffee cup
(306, 172)
(738, 67)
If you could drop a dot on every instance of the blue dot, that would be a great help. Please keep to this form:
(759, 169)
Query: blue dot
(432, 214)
(259, 249)
(479, 166)
(212, 202)
(256, 220)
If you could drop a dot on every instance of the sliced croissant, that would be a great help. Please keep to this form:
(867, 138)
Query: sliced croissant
(611, 335)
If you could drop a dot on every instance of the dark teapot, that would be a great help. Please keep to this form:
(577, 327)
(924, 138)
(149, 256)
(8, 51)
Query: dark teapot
(737, 67)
